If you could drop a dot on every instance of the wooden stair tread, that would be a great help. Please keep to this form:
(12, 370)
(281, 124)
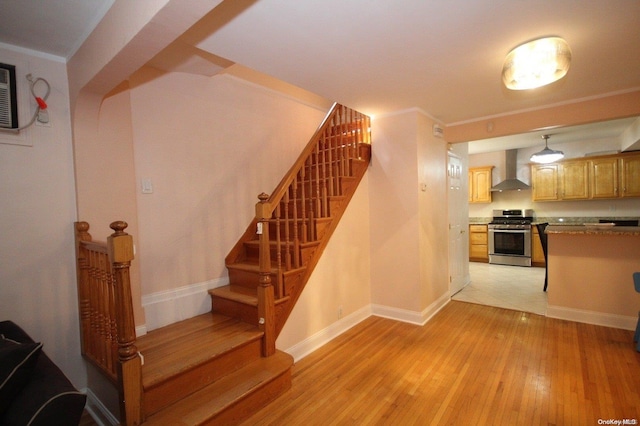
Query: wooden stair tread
(182, 346)
(249, 267)
(247, 296)
(205, 404)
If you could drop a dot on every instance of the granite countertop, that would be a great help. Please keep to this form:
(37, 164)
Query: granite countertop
(479, 220)
(598, 229)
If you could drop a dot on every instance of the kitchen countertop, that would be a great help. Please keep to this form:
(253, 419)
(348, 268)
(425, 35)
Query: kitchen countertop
(593, 230)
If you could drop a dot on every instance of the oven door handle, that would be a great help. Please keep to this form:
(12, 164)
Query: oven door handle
(511, 231)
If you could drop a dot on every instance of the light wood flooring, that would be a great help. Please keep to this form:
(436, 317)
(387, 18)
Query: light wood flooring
(471, 364)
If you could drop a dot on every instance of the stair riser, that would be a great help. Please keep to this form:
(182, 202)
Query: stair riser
(317, 190)
(200, 376)
(293, 229)
(310, 206)
(322, 171)
(248, 279)
(253, 402)
(233, 309)
(252, 253)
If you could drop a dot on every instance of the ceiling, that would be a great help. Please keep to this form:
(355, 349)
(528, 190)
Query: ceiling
(442, 57)
(57, 27)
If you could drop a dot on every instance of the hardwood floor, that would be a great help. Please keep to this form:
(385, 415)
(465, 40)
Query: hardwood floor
(471, 363)
(87, 420)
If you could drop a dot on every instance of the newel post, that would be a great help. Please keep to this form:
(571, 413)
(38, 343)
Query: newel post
(266, 300)
(120, 247)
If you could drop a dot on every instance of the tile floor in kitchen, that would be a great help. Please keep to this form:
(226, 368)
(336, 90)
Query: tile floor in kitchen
(512, 287)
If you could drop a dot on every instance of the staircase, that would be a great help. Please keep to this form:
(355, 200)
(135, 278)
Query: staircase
(208, 370)
(220, 367)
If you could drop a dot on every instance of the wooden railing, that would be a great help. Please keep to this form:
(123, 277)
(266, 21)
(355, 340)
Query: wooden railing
(106, 313)
(301, 201)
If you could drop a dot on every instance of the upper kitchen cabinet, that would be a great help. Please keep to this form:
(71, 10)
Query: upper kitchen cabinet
(544, 182)
(574, 180)
(480, 180)
(612, 176)
(630, 173)
(604, 179)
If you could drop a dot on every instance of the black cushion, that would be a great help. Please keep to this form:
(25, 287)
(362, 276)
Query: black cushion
(17, 362)
(48, 398)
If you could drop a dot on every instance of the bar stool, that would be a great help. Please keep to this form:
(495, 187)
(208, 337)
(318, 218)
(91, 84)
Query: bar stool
(636, 283)
(543, 240)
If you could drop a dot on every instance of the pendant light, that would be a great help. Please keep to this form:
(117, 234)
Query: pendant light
(547, 155)
(536, 63)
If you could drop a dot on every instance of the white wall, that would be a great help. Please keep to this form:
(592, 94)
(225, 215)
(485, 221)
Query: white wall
(37, 262)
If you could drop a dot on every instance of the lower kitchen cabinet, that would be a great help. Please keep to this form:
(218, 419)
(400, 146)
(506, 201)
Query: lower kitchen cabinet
(478, 243)
(537, 254)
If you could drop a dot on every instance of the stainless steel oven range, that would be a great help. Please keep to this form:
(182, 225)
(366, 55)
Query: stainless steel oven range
(510, 237)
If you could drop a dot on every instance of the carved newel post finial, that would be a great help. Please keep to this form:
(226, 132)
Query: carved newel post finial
(263, 197)
(119, 226)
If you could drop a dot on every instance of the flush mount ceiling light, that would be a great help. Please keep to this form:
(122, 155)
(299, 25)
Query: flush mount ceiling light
(546, 155)
(536, 63)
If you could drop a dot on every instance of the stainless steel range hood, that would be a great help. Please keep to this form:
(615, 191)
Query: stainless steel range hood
(511, 182)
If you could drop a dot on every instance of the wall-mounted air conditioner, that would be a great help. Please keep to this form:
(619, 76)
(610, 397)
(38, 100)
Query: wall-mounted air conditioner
(8, 97)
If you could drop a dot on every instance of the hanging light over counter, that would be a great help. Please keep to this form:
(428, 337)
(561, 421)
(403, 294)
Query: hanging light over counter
(547, 155)
(536, 63)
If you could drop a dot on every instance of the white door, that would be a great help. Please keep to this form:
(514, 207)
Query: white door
(457, 224)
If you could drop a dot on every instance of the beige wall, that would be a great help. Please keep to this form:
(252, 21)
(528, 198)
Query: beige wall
(339, 285)
(395, 244)
(594, 273)
(209, 146)
(433, 214)
(408, 226)
(588, 110)
(37, 263)
(105, 179)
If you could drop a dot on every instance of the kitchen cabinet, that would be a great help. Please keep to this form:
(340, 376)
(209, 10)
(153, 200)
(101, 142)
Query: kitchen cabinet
(603, 179)
(630, 175)
(537, 254)
(480, 180)
(591, 178)
(544, 182)
(574, 180)
(478, 243)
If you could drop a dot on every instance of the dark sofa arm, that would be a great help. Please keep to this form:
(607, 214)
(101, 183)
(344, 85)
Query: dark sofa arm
(48, 398)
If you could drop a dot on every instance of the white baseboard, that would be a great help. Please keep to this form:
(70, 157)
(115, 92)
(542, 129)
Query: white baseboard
(170, 306)
(98, 411)
(413, 317)
(592, 317)
(324, 336)
(319, 339)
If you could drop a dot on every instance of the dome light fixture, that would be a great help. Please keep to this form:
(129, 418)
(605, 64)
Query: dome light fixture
(547, 155)
(536, 63)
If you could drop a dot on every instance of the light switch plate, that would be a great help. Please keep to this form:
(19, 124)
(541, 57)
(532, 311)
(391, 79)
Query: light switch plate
(147, 186)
